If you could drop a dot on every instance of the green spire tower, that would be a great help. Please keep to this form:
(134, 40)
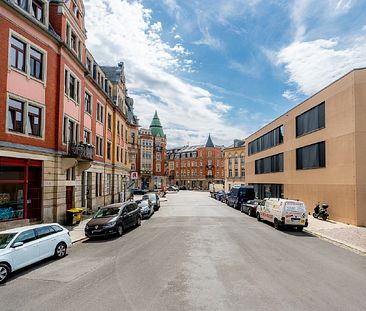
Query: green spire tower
(155, 126)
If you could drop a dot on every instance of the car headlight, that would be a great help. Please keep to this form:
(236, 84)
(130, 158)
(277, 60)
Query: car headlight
(110, 224)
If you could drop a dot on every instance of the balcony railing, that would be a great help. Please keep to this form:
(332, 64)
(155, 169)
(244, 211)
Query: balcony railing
(209, 176)
(81, 151)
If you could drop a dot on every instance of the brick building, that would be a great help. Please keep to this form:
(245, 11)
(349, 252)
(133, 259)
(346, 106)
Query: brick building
(152, 155)
(195, 167)
(69, 136)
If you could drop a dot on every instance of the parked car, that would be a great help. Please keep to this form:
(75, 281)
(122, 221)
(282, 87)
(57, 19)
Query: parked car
(182, 188)
(154, 199)
(220, 196)
(239, 195)
(114, 219)
(146, 208)
(283, 213)
(139, 191)
(173, 189)
(21, 247)
(250, 207)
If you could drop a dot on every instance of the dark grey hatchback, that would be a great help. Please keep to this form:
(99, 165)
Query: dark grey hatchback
(113, 219)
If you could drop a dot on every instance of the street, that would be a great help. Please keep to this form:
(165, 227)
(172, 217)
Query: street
(195, 253)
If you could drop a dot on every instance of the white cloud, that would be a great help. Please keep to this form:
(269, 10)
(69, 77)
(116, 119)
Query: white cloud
(290, 95)
(314, 64)
(187, 112)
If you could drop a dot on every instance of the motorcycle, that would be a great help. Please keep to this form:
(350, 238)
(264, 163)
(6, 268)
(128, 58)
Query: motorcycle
(321, 212)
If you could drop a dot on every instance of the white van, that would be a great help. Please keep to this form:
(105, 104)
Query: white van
(283, 212)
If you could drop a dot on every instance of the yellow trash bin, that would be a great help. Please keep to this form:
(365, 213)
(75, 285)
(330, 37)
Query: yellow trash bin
(73, 216)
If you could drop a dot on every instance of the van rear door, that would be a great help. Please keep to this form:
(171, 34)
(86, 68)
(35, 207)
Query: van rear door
(295, 213)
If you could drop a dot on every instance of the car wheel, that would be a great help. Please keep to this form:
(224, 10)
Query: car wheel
(276, 224)
(4, 272)
(258, 217)
(138, 222)
(300, 228)
(119, 230)
(60, 250)
(249, 211)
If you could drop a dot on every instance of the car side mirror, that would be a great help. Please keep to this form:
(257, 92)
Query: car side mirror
(17, 244)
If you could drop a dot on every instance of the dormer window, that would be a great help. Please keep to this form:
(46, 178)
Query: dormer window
(38, 10)
(23, 4)
(73, 42)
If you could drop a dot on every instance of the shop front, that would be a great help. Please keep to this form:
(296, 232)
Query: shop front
(20, 190)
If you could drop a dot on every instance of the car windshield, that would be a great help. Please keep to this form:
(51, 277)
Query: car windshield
(5, 239)
(107, 212)
(149, 197)
(143, 204)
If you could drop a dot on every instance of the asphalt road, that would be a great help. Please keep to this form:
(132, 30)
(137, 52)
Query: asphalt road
(195, 254)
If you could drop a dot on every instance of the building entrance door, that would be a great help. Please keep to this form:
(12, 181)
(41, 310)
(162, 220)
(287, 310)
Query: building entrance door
(69, 197)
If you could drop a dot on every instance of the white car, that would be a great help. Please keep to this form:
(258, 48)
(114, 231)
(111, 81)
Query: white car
(20, 247)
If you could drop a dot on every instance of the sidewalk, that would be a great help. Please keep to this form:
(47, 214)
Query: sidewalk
(346, 235)
(77, 232)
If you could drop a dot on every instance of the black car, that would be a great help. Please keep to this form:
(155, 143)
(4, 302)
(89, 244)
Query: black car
(114, 219)
(138, 191)
(146, 208)
(154, 199)
(220, 195)
(250, 207)
(240, 195)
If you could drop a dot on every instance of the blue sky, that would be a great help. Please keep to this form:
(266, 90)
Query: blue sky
(225, 67)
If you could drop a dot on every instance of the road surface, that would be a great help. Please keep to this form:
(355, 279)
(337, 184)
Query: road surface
(195, 254)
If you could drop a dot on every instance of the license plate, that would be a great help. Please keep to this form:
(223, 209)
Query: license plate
(96, 231)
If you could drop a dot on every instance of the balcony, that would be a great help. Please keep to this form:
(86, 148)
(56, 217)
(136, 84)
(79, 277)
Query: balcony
(81, 151)
(209, 166)
(209, 176)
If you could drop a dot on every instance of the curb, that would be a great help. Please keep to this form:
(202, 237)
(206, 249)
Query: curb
(79, 240)
(352, 248)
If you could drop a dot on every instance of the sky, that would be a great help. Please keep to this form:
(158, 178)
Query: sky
(225, 67)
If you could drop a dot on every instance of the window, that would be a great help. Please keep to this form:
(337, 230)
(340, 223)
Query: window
(108, 184)
(311, 120)
(108, 150)
(117, 154)
(158, 156)
(70, 173)
(38, 10)
(23, 4)
(89, 64)
(312, 156)
(44, 231)
(209, 154)
(100, 113)
(36, 64)
(270, 164)
(70, 131)
(34, 120)
(88, 103)
(158, 167)
(242, 172)
(87, 137)
(99, 146)
(266, 141)
(72, 86)
(98, 184)
(73, 41)
(26, 237)
(109, 121)
(16, 116)
(118, 128)
(17, 54)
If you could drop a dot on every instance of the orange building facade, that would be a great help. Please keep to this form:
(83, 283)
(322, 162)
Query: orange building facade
(196, 167)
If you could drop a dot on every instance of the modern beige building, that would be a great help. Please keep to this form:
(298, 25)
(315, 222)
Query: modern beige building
(234, 157)
(316, 152)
